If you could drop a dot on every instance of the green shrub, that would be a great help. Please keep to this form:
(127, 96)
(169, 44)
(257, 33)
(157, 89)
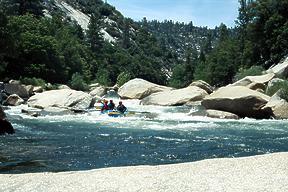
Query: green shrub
(123, 78)
(177, 78)
(252, 71)
(77, 82)
(282, 86)
(102, 77)
(33, 81)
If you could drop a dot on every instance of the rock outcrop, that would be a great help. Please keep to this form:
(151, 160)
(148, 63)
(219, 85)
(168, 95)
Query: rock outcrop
(279, 106)
(239, 100)
(139, 88)
(281, 69)
(175, 97)
(65, 98)
(203, 85)
(14, 100)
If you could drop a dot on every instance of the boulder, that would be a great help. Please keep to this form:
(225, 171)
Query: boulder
(38, 89)
(63, 87)
(239, 100)
(281, 69)
(175, 97)
(139, 88)
(261, 79)
(273, 82)
(221, 114)
(14, 100)
(278, 106)
(55, 111)
(18, 89)
(5, 125)
(98, 91)
(12, 81)
(29, 89)
(203, 85)
(2, 113)
(256, 86)
(93, 86)
(64, 98)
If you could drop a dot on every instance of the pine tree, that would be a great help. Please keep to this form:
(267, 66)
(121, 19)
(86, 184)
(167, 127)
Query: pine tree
(94, 33)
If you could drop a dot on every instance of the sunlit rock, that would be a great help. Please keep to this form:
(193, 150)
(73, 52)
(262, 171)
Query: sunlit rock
(61, 98)
(175, 97)
(139, 88)
(239, 100)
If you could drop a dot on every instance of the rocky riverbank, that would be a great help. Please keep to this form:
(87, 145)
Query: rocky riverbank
(257, 173)
(244, 98)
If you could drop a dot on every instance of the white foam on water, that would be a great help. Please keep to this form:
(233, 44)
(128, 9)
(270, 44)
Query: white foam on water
(147, 117)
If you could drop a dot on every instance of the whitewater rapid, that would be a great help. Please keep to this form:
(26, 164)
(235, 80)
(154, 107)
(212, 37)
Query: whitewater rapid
(145, 117)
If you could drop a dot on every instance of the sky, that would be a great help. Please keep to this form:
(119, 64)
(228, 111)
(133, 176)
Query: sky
(208, 13)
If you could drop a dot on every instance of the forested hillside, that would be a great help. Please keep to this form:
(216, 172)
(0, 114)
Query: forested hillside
(39, 40)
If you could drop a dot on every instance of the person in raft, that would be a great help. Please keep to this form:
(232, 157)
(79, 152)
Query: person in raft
(121, 108)
(105, 106)
(111, 105)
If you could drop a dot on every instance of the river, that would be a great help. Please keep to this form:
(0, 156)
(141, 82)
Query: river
(154, 135)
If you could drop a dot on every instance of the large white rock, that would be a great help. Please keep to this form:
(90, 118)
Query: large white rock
(281, 69)
(239, 100)
(139, 88)
(175, 97)
(61, 98)
(258, 173)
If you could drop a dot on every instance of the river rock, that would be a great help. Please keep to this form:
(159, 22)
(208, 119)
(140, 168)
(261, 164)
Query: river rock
(257, 86)
(63, 87)
(12, 81)
(273, 82)
(93, 86)
(175, 97)
(281, 69)
(279, 106)
(30, 89)
(203, 85)
(221, 114)
(55, 111)
(239, 100)
(2, 113)
(64, 98)
(5, 125)
(261, 79)
(14, 100)
(139, 88)
(98, 91)
(38, 89)
(18, 89)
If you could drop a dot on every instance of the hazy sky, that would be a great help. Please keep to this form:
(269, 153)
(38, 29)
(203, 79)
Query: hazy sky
(201, 12)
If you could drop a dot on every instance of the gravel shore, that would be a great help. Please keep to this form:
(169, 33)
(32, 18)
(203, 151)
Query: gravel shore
(257, 173)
